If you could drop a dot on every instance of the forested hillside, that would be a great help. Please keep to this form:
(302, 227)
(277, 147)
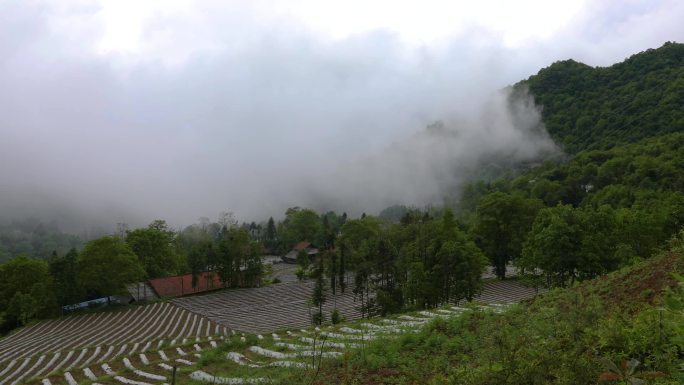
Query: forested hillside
(585, 217)
(599, 107)
(618, 196)
(35, 238)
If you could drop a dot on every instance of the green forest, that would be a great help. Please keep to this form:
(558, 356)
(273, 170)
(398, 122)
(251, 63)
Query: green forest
(614, 203)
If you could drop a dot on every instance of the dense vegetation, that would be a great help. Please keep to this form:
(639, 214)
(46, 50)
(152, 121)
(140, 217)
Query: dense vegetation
(418, 263)
(582, 335)
(597, 108)
(34, 237)
(38, 288)
(587, 216)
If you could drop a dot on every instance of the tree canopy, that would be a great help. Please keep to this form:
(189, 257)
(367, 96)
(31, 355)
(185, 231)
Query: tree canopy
(26, 291)
(600, 107)
(106, 265)
(154, 246)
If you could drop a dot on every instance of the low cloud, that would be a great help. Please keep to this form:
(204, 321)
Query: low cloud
(251, 117)
(434, 163)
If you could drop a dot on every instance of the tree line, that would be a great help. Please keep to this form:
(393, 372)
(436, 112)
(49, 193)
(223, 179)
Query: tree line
(588, 107)
(563, 222)
(558, 222)
(33, 288)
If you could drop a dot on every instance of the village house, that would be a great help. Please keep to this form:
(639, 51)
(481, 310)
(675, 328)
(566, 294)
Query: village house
(311, 251)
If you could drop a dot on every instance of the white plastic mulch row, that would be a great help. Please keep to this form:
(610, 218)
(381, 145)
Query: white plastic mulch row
(361, 337)
(280, 356)
(28, 372)
(183, 361)
(92, 357)
(149, 329)
(109, 352)
(162, 355)
(111, 328)
(78, 359)
(64, 361)
(25, 347)
(267, 353)
(7, 369)
(89, 374)
(181, 333)
(404, 323)
(171, 325)
(141, 373)
(49, 364)
(128, 381)
(206, 377)
(240, 359)
(18, 370)
(14, 373)
(108, 369)
(70, 379)
(132, 323)
(120, 351)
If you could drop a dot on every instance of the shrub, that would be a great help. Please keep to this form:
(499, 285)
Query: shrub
(336, 317)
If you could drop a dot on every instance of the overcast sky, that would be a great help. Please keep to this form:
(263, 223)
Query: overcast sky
(127, 111)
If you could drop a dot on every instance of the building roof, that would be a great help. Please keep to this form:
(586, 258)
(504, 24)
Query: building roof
(302, 245)
(182, 284)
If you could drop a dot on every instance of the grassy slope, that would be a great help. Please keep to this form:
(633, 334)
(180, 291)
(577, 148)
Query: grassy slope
(556, 339)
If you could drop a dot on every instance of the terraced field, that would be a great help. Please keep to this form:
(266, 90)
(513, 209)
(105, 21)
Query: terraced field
(145, 367)
(262, 360)
(71, 342)
(259, 310)
(241, 358)
(505, 292)
(138, 346)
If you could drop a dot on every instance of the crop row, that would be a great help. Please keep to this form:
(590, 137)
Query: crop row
(152, 366)
(288, 305)
(245, 359)
(269, 308)
(79, 340)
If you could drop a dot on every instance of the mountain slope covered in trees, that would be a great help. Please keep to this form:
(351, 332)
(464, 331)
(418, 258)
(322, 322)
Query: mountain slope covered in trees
(588, 107)
(616, 197)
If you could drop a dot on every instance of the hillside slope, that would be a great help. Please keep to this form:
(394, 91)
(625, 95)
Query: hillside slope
(588, 107)
(566, 336)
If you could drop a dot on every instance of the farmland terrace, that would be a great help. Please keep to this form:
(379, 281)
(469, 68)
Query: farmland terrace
(285, 305)
(73, 341)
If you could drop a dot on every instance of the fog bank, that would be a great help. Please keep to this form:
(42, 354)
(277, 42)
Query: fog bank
(238, 107)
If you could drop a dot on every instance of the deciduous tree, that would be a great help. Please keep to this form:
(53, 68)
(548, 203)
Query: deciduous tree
(106, 265)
